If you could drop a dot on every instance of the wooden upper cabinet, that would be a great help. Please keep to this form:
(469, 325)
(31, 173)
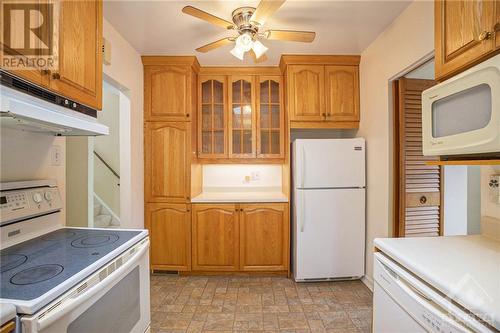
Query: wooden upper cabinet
(465, 33)
(270, 118)
(241, 117)
(167, 93)
(79, 76)
(242, 141)
(212, 138)
(79, 48)
(35, 76)
(342, 93)
(169, 228)
(264, 237)
(496, 27)
(215, 237)
(306, 89)
(167, 163)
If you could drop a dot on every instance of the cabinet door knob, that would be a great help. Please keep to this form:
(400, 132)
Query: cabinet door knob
(484, 35)
(56, 76)
(423, 199)
(187, 115)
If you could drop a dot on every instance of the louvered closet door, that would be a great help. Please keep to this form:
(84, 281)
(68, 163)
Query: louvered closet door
(419, 186)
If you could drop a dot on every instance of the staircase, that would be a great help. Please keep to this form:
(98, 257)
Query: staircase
(103, 216)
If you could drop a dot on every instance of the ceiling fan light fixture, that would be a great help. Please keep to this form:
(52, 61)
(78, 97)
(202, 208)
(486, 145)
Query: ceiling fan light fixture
(238, 52)
(244, 42)
(259, 49)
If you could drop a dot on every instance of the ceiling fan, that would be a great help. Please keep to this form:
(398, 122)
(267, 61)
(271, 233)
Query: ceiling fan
(248, 21)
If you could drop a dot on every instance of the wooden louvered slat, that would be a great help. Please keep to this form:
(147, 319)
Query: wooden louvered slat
(417, 179)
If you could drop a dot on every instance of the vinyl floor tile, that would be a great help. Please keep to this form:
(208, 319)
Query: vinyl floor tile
(257, 304)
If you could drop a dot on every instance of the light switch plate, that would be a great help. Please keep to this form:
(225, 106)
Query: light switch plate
(55, 155)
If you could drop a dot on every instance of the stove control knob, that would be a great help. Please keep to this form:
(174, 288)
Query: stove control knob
(48, 196)
(37, 197)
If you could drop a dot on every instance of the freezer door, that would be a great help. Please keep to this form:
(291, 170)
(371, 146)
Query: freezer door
(330, 163)
(329, 233)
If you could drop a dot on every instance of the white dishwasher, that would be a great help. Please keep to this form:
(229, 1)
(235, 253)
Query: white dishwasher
(403, 303)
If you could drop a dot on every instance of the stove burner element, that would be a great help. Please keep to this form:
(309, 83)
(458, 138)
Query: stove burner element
(36, 274)
(59, 235)
(11, 261)
(95, 240)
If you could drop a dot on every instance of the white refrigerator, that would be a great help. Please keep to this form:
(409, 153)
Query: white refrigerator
(329, 209)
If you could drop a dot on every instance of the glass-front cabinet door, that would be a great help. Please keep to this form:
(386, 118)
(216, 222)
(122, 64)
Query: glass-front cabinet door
(212, 141)
(270, 118)
(242, 143)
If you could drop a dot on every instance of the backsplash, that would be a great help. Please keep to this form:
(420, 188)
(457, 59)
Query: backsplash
(242, 175)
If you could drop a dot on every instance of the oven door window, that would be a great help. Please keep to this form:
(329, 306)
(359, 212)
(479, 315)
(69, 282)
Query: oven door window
(119, 310)
(463, 112)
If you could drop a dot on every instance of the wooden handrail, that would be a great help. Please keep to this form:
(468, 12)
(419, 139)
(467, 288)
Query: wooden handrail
(107, 165)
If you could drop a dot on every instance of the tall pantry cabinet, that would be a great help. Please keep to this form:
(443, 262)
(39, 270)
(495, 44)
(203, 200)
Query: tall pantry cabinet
(170, 99)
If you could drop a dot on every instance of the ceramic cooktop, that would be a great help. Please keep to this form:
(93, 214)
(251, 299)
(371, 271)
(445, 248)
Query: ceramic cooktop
(30, 269)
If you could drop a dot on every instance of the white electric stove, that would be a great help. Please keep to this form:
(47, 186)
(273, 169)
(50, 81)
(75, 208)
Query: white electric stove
(69, 279)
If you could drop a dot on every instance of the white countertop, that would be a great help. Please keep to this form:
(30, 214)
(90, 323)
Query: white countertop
(465, 268)
(240, 194)
(7, 312)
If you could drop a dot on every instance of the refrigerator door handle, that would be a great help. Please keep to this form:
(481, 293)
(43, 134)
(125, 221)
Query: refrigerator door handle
(303, 173)
(302, 211)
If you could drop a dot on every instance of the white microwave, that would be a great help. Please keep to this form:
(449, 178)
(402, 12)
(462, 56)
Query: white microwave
(461, 116)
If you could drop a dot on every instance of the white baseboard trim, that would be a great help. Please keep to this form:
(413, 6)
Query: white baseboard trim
(368, 281)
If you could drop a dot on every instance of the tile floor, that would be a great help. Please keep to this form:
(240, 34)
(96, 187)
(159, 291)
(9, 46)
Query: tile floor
(271, 304)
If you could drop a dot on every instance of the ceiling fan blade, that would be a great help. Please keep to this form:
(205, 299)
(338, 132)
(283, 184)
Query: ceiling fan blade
(265, 9)
(214, 45)
(256, 60)
(291, 35)
(190, 10)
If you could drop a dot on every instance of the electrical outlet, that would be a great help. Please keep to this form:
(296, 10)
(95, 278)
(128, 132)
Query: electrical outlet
(255, 175)
(55, 155)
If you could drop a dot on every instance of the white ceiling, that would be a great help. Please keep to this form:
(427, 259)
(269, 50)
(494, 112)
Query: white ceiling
(160, 28)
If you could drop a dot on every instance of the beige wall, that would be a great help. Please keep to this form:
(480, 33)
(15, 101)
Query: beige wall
(27, 156)
(407, 41)
(78, 176)
(126, 70)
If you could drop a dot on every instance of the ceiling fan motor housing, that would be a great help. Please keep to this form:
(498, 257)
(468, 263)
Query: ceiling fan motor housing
(241, 18)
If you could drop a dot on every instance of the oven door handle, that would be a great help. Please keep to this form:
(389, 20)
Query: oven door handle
(70, 304)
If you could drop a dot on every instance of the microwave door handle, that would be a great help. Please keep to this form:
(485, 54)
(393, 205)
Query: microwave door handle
(70, 305)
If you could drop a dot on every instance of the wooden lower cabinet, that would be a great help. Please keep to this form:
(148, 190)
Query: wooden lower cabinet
(264, 237)
(8, 327)
(169, 226)
(215, 237)
(236, 238)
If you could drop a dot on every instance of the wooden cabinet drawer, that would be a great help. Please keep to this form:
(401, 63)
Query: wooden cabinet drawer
(424, 199)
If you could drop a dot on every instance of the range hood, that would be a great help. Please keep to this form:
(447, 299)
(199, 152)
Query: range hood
(29, 108)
